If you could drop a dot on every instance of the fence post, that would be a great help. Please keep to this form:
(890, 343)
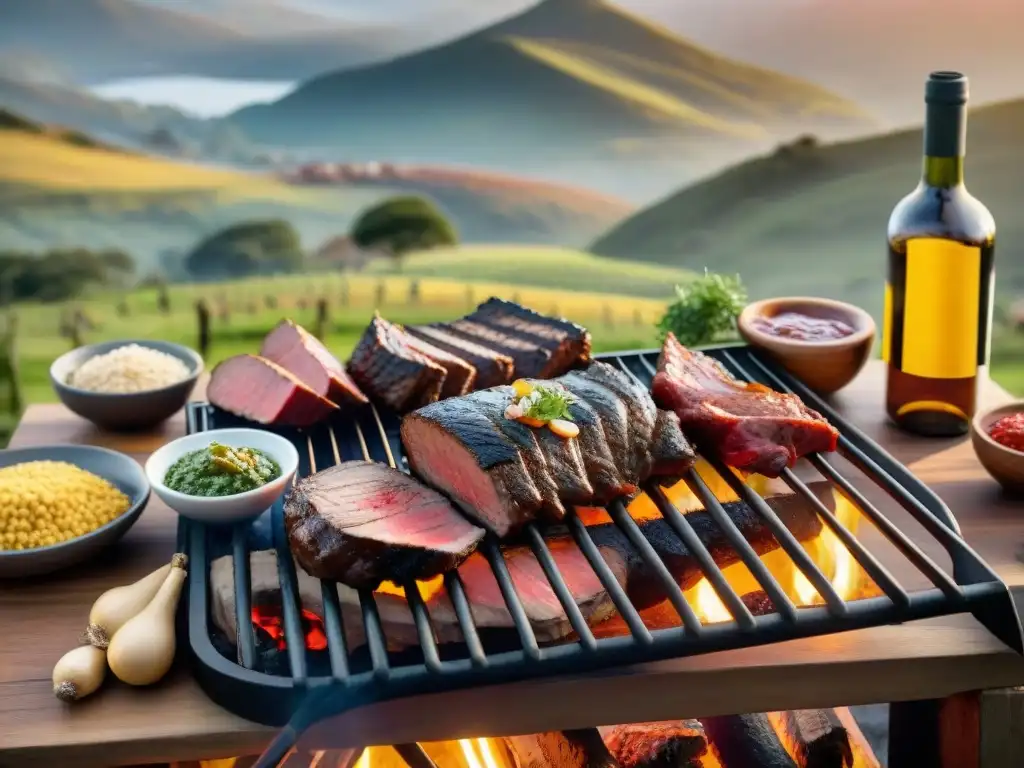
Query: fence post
(76, 329)
(414, 292)
(320, 326)
(203, 321)
(469, 296)
(163, 299)
(344, 291)
(609, 316)
(382, 293)
(15, 401)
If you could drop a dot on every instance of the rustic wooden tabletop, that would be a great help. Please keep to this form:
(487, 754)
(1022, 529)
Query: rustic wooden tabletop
(174, 720)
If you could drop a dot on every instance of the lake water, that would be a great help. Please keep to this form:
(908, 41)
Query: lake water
(202, 96)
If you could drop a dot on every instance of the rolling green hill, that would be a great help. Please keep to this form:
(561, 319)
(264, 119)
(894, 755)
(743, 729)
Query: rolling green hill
(812, 219)
(564, 84)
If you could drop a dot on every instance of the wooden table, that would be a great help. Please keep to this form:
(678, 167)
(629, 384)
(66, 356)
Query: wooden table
(174, 720)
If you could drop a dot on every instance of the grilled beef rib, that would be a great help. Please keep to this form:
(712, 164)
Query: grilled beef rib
(747, 425)
(362, 523)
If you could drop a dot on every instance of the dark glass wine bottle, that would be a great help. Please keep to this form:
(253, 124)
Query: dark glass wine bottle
(939, 292)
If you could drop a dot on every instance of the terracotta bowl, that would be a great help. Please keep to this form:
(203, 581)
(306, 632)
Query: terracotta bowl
(824, 366)
(1004, 464)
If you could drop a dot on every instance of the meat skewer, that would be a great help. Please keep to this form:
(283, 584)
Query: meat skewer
(746, 425)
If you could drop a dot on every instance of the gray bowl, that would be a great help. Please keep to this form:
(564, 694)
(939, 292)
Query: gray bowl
(116, 468)
(134, 411)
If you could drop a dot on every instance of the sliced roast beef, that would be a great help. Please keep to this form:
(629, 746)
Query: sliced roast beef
(295, 349)
(498, 477)
(492, 367)
(543, 609)
(391, 371)
(747, 425)
(528, 359)
(460, 376)
(260, 390)
(362, 523)
(568, 343)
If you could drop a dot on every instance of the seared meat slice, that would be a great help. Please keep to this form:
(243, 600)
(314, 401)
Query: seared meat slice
(260, 390)
(746, 425)
(392, 371)
(446, 457)
(492, 368)
(297, 350)
(362, 523)
(528, 359)
(544, 611)
(568, 343)
(460, 376)
(455, 447)
(650, 745)
(670, 450)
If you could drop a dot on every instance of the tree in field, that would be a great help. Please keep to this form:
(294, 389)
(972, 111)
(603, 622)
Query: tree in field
(265, 246)
(399, 225)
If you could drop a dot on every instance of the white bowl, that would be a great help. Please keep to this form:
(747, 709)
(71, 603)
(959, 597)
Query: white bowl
(224, 509)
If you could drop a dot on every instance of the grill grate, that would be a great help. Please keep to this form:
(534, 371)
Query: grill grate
(319, 687)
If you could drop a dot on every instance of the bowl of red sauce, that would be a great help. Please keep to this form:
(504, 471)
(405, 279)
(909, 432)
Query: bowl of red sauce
(822, 342)
(998, 438)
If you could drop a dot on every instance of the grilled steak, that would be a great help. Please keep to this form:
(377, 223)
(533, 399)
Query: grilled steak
(567, 343)
(260, 390)
(295, 349)
(544, 611)
(528, 358)
(362, 523)
(746, 425)
(392, 371)
(492, 367)
(503, 476)
(653, 745)
(459, 377)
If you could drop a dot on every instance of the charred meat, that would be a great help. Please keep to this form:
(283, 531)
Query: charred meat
(295, 349)
(260, 390)
(503, 473)
(747, 425)
(394, 371)
(362, 523)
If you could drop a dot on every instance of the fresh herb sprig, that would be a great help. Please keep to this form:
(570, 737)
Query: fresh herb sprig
(705, 310)
(547, 403)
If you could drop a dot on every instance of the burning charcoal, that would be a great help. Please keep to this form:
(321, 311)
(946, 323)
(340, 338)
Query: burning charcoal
(814, 737)
(746, 741)
(560, 749)
(758, 603)
(655, 745)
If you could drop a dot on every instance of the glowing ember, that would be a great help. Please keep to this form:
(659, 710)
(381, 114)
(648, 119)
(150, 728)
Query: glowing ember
(709, 605)
(485, 749)
(270, 621)
(427, 588)
(469, 753)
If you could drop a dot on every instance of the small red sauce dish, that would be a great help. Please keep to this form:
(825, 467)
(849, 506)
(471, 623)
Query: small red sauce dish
(822, 342)
(998, 439)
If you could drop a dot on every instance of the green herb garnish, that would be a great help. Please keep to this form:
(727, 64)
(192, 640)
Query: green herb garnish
(705, 310)
(547, 403)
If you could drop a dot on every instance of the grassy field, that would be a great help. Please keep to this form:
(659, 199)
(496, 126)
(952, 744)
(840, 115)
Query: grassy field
(617, 322)
(541, 265)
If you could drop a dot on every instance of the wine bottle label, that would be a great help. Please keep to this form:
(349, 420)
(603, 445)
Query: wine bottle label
(938, 309)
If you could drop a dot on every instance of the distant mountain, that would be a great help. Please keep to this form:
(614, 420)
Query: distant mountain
(94, 41)
(568, 87)
(125, 123)
(486, 207)
(811, 219)
(877, 52)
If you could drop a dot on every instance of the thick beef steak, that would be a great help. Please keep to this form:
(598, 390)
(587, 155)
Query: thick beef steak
(260, 390)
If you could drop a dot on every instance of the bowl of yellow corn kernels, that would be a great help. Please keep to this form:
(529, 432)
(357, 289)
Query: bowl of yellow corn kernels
(60, 505)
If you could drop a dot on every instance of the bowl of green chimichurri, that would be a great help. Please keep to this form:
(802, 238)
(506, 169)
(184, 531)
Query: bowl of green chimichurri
(224, 475)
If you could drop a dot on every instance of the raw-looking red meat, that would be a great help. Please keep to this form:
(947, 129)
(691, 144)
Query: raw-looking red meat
(260, 390)
(297, 350)
(746, 425)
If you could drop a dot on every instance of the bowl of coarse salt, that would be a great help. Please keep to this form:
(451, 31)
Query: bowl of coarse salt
(126, 385)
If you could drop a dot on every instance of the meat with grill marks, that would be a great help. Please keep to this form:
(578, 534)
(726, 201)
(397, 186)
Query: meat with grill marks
(394, 371)
(504, 474)
(747, 425)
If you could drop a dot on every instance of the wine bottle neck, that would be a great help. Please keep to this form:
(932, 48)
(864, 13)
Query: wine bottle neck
(945, 140)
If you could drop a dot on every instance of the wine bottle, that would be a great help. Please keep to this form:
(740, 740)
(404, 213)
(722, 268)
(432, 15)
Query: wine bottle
(938, 296)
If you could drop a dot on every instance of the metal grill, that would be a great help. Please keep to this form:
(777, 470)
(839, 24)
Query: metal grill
(324, 684)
